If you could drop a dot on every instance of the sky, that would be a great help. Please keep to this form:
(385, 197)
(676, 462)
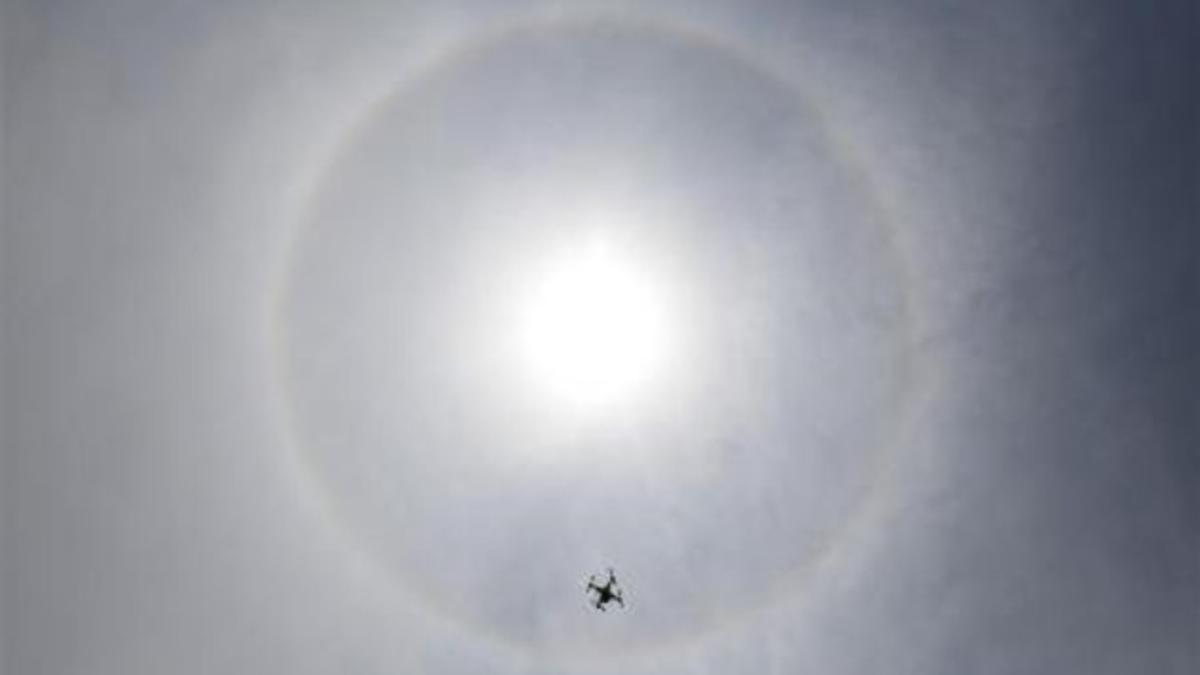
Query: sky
(856, 337)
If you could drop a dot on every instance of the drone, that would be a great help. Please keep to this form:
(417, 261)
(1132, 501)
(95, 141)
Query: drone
(605, 594)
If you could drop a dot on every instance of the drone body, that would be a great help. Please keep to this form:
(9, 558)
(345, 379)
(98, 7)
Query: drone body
(607, 593)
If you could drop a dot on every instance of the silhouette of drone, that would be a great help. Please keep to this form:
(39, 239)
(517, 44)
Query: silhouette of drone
(607, 593)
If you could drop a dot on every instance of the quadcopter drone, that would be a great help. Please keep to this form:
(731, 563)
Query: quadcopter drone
(609, 592)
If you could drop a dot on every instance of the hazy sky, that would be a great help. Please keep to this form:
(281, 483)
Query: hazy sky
(919, 395)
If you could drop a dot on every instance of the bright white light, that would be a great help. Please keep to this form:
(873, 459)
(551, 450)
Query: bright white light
(593, 329)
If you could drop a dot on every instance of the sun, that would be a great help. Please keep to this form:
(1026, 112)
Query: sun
(593, 329)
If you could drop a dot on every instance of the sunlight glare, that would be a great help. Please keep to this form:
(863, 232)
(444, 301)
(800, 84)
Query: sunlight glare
(593, 330)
